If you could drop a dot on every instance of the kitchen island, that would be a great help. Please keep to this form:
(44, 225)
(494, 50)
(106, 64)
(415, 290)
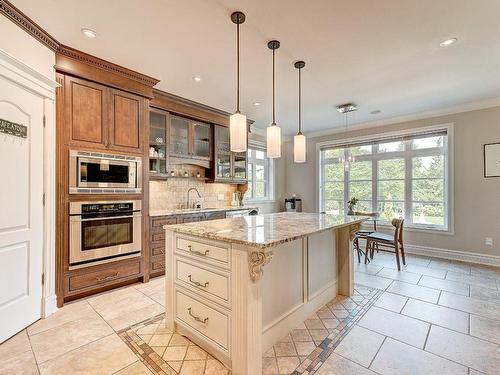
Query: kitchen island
(236, 286)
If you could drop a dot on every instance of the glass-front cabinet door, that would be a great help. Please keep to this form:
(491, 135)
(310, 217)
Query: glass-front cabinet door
(158, 143)
(240, 166)
(201, 140)
(179, 136)
(222, 153)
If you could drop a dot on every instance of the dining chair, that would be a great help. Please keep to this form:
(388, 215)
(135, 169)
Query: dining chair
(361, 234)
(385, 242)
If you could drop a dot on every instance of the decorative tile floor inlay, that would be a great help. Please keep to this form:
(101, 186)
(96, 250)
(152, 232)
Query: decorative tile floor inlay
(302, 351)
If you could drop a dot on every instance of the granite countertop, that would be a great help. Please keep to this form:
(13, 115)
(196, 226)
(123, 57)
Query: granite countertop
(184, 211)
(263, 231)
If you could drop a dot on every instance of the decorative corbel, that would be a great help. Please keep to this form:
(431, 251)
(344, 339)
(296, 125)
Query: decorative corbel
(256, 261)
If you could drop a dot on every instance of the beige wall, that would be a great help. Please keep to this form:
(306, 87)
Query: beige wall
(19, 44)
(476, 199)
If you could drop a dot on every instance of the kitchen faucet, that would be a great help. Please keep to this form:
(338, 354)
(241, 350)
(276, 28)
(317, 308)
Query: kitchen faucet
(189, 191)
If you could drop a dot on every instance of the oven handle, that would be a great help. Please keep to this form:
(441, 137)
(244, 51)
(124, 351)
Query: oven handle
(79, 219)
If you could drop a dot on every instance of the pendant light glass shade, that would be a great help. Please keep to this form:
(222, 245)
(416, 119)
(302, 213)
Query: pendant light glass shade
(238, 131)
(274, 141)
(299, 141)
(274, 131)
(299, 148)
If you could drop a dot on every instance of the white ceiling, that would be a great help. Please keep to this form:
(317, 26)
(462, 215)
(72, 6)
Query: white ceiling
(383, 55)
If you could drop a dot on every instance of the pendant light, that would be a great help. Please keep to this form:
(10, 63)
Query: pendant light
(299, 141)
(274, 131)
(348, 158)
(238, 121)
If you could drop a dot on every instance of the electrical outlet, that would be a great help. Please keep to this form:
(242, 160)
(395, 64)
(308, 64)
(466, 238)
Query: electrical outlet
(220, 197)
(488, 241)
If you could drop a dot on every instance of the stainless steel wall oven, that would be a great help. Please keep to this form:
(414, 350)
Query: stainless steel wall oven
(104, 230)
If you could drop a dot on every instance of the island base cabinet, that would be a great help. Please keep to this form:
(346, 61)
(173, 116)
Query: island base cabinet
(272, 290)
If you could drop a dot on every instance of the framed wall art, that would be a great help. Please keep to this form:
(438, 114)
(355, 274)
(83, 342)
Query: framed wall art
(492, 160)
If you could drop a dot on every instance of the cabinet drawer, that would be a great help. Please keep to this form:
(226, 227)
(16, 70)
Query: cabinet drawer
(207, 321)
(203, 250)
(158, 235)
(157, 248)
(104, 276)
(158, 264)
(159, 222)
(204, 280)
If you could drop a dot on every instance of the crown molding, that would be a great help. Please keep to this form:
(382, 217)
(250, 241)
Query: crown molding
(28, 25)
(467, 107)
(105, 65)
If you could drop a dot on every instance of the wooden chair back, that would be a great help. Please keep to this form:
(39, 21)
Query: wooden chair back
(398, 233)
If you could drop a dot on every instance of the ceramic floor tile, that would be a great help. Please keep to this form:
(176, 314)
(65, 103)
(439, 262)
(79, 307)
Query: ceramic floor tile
(287, 364)
(360, 345)
(335, 364)
(393, 274)
(194, 352)
(434, 272)
(466, 350)
(175, 353)
(131, 317)
(284, 349)
(301, 335)
(440, 315)
(15, 345)
(396, 358)
(487, 309)
(484, 293)
(371, 281)
(400, 327)
(304, 348)
(485, 271)
(71, 311)
(214, 367)
(193, 368)
(269, 366)
(105, 356)
(450, 266)
(391, 301)
(56, 341)
(414, 291)
(369, 268)
(21, 363)
(447, 285)
(473, 280)
(136, 368)
(485, 329)
(417, 260)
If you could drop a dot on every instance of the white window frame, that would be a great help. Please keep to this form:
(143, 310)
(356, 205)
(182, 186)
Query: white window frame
(269, 175)
(448, 177)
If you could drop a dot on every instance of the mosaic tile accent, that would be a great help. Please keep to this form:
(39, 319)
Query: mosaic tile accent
(302, 351)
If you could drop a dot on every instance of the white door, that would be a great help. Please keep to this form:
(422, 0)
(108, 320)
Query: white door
(21, 210)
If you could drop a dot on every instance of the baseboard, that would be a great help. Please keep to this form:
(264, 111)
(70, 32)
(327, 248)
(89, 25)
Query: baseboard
(49, 305)
(462, 256)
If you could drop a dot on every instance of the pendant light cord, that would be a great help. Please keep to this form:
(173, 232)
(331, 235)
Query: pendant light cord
(238, 65)
(274, 100)
(300, 101)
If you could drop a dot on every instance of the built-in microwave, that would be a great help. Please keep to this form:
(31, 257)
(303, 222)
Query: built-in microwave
(102, 173)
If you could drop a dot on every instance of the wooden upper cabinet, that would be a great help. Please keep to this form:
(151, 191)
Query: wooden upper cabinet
(85, 112)
(100, 117)
(126, 125)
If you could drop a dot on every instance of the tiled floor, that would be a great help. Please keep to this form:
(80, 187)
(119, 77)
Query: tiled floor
(433, 317)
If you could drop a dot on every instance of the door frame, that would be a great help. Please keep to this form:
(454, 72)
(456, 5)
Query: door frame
(29, 79)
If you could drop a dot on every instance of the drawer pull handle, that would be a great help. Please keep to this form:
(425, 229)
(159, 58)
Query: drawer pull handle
(198, 319)
(106, 278)
(197, 283)
(190, 248)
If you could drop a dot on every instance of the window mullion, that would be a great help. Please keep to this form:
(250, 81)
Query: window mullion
(408, 183)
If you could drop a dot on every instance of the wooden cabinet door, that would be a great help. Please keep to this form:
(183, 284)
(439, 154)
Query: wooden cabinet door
(86, 117)
(201, 140)
(179, 137)
(222, 154)
(126, 125)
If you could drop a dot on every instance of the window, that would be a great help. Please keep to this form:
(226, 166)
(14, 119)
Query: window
(259, 174)
(401, 176)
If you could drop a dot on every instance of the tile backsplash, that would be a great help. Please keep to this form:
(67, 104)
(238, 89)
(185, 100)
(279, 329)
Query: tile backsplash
(172, 194)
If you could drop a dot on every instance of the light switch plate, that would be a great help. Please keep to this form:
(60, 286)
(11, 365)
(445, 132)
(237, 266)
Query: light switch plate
(220, 197)
(488, 241)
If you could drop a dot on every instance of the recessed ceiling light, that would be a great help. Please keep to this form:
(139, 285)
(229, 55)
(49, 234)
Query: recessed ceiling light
(197, 78)
(375, 112)
(89, 33)
(257, 104)
(448, 42)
